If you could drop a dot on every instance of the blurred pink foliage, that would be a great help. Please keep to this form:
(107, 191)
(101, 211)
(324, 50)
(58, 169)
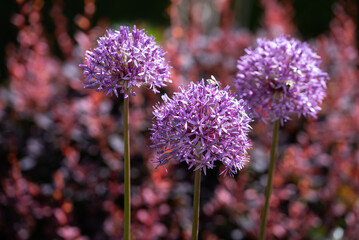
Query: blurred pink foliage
(61, 174)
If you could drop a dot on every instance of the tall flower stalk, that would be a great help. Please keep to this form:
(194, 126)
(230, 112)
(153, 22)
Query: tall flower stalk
(268, 192)
(201, 125)
(278, 79)
(123, 60)
(127, 169)
(196, 201)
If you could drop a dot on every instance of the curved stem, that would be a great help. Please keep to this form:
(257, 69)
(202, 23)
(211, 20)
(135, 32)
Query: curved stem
(127, 223)
(270, 180)
(196, 197)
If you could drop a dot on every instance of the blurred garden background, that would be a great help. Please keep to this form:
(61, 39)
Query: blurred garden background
(61, 145)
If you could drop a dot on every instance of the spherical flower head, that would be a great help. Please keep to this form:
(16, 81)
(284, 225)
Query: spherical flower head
(124, 59)
(281, 78)
(201, 124)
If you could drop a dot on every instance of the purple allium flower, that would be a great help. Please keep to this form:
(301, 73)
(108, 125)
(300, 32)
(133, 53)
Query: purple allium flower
(124, 59)
(281, 78)
(201, 124)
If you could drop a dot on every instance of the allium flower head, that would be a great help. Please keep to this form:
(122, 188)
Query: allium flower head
(201, 124)
(124, 59)
(281, 78)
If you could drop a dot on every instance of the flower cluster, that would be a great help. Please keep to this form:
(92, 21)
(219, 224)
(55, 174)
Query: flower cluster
(202, 124)
(281, 78)
(124, 59)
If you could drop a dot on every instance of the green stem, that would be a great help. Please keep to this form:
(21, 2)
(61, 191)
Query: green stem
(126, 116)
(270, 180)
(196, 197)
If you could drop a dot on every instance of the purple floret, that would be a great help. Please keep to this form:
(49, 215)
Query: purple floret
(200, 125)
(124, 59)
(280, 78)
